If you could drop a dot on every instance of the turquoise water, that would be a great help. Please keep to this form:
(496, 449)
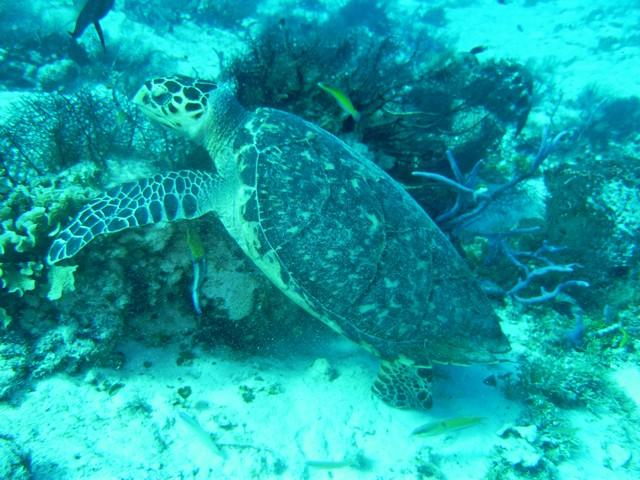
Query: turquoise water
(195, 285)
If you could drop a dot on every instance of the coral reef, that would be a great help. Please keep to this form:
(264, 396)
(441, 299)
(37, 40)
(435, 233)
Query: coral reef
(56, 151)
(415, 101)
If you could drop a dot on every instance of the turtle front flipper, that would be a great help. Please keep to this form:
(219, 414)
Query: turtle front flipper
(172, 196)
(403, 384)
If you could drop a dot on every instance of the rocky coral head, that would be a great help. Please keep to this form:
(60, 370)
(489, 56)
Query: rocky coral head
(177, 102)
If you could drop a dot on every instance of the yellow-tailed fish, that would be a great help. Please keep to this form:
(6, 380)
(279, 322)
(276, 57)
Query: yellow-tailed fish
(447, 425)
(343, 100)
(195, 244)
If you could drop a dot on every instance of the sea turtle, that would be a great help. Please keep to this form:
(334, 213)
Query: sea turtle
(328, 227)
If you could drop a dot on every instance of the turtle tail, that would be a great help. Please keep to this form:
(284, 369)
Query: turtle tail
(168, 197)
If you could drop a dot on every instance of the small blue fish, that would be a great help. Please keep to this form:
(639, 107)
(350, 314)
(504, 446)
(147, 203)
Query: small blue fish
(199, 262)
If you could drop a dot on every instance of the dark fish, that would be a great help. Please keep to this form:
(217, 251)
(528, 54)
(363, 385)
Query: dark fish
(478, 49)
(92, 12)
(491, 380)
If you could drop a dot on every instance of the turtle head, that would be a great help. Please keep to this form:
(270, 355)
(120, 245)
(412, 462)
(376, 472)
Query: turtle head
(177, 102)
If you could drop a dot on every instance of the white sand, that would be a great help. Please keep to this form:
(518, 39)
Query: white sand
(567, 38)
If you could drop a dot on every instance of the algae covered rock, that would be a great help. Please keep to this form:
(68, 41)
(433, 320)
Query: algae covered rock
(75, 343)
(593, 213)
(14, 463)
(13, 364)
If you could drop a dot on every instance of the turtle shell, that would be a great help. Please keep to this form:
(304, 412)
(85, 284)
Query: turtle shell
(346, 242)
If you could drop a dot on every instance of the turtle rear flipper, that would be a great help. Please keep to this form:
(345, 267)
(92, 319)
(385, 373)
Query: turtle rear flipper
(403, 384)
(172, 196)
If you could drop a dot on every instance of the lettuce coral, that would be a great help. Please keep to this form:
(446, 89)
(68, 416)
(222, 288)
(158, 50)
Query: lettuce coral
(19, 277)
(27, 215)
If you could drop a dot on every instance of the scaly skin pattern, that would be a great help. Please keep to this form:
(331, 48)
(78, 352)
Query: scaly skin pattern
(168, 197)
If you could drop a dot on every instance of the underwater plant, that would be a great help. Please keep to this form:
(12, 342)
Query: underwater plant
(453, 103)
(47, 133)
(288, 59)
(605, 122)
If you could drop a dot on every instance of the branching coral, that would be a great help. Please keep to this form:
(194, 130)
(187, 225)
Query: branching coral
(47, 133)
(472, 201)
(50, 132)
(534, 266)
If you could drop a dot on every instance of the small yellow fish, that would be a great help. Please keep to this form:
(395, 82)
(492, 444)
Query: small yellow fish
(342, 99)
(447, 425)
